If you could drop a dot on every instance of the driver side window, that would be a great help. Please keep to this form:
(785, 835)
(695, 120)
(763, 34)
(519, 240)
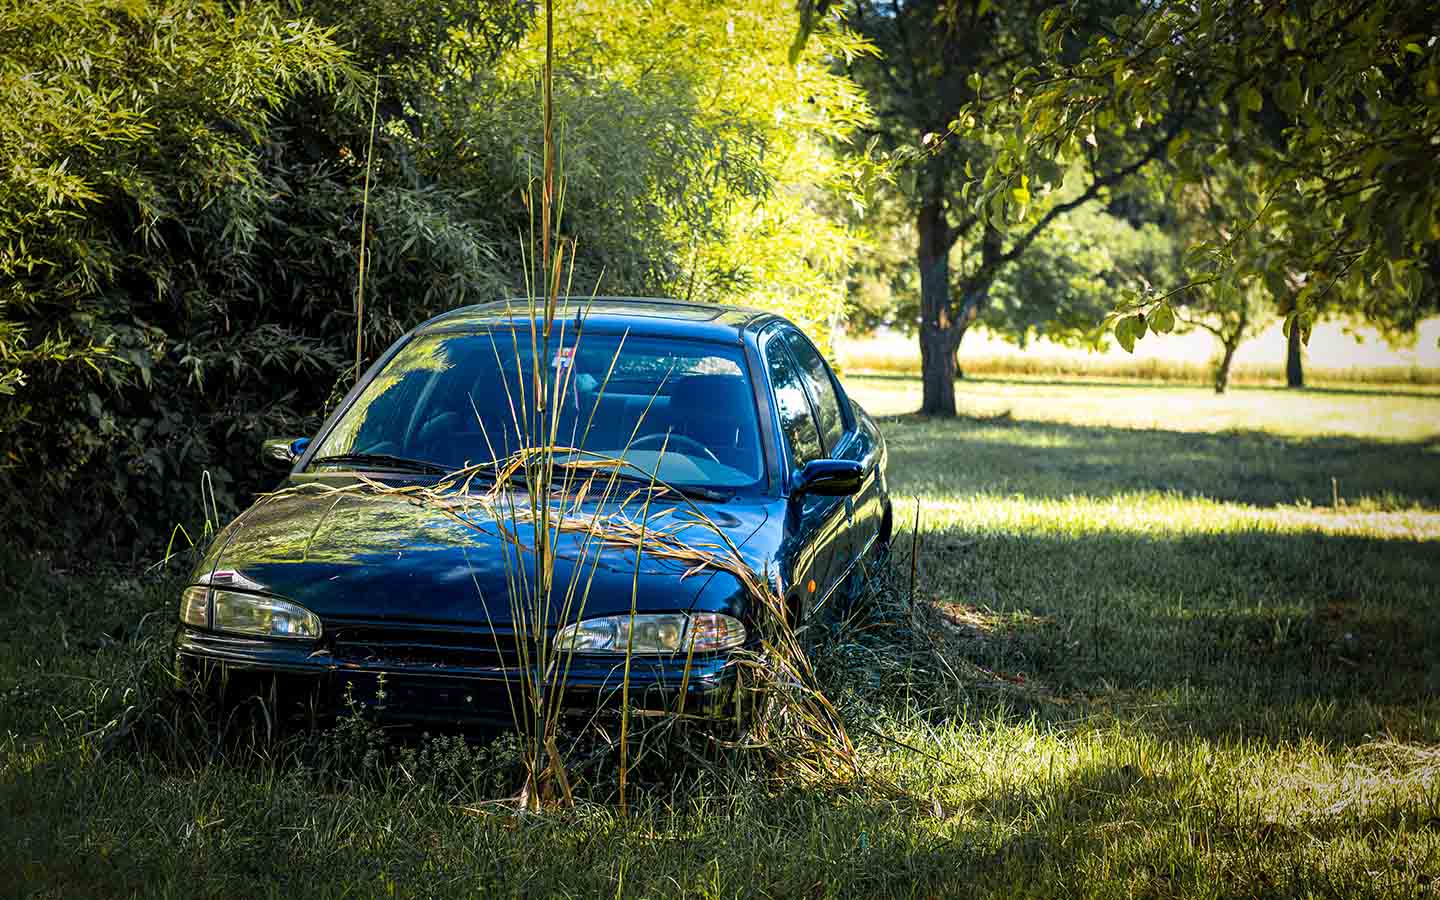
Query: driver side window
(797, 420)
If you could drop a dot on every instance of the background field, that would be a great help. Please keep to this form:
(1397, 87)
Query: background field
(1149, 657)
(1338, 353)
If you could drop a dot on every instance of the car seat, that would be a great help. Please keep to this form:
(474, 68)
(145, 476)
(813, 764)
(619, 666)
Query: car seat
(719, 412)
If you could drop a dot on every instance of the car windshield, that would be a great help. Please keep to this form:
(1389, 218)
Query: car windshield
(460, 399)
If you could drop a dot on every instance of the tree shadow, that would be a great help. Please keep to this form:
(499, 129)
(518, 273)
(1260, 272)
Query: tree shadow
(1137, 828)
(1005, 456)
(1290, 636)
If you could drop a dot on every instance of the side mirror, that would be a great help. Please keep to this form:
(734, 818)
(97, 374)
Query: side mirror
(283, 452)
(830, 478)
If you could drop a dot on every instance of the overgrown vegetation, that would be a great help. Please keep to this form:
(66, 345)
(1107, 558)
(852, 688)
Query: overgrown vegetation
(1139, 641)
(180, 220)
(1137, 661)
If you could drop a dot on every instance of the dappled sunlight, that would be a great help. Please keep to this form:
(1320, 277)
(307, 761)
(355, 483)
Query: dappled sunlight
(1376, 413)
(1159, 515)
(1369, 779)
(1140, 809)
(944, 460)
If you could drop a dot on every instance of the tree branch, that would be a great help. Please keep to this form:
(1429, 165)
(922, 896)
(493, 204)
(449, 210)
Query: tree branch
(1197, 323)
(958, 231)
(1113, 178)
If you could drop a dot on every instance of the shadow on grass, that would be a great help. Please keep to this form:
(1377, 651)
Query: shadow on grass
(1001, 455)
(1285, 635)
(1108, 826)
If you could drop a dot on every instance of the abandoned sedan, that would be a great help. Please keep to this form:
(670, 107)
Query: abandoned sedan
(342, 586)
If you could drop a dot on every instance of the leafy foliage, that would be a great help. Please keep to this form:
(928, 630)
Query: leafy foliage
(977, 210)
(1335, 106)
(180, 217)
(710, 86)
(132, 218)
(1061, 288)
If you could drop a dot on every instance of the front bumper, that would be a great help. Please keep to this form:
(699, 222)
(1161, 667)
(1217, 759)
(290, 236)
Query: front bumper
(311, 680)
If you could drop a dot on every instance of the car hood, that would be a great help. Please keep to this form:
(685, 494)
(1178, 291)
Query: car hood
(383, 556)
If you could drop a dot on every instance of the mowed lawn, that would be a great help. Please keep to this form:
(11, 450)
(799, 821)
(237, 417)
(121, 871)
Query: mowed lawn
(1148, 656)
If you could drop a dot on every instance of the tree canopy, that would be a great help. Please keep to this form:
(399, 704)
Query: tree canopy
(188, 186)
(1334, 107)
(977, 202)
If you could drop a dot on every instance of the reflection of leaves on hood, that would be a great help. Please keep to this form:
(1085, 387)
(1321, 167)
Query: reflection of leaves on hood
(303, 526)
(342, 526)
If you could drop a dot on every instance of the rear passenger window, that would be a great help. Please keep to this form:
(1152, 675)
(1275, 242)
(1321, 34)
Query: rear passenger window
(796, 420)
(822, 388)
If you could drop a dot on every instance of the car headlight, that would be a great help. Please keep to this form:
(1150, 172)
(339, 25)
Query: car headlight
(195, 606)
(250, 614)
(653, 633)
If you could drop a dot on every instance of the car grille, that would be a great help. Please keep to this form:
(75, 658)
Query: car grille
(419, 646)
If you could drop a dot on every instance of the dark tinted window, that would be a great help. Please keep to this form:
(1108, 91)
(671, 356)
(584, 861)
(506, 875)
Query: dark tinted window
(458, 399)
(796, 420)
(822, 388)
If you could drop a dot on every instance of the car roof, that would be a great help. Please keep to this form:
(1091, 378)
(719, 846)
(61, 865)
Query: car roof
(638, 315)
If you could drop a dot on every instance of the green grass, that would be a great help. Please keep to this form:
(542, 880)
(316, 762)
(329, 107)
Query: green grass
(1149, 658)
(1340, 354)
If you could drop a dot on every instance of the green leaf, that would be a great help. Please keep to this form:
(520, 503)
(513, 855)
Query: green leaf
(1177, 143)
(1125, 335)
(1022, 193)
(1162, 319)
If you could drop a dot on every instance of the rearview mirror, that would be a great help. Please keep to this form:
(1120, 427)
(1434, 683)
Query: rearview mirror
(830, 478)
(284, 452)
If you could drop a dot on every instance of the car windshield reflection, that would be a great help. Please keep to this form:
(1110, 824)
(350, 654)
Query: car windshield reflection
(683, 410)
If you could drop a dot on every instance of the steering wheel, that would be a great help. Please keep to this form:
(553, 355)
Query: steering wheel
(683, 440)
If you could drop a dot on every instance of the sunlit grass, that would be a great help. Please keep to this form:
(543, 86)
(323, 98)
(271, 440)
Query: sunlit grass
(1179, 668)
(1339, 353)
(1166, 515)
(1379, 413)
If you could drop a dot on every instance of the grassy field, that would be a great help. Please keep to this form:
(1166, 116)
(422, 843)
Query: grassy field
(1339, 353)
(1149, 656)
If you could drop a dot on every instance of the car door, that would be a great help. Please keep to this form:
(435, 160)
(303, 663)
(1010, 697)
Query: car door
(813, 521)
(843, 439)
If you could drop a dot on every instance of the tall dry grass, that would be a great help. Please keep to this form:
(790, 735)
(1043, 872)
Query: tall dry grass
(895, 355)
(545, 489)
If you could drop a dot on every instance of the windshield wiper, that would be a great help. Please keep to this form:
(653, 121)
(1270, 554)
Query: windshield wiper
(382, 460)
(640, 476)
(701, 492)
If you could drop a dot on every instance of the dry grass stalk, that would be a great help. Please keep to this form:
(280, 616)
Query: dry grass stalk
(795, 725)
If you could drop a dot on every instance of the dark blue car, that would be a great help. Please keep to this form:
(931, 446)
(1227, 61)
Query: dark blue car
(329, 595)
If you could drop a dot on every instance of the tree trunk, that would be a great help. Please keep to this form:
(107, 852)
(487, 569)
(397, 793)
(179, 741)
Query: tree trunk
(943, 324)
(1294, 363)
(939, 336)
(937, 372)
(1222, 368)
